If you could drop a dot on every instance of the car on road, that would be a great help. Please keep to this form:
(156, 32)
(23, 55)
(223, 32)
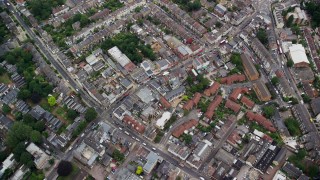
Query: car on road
(127, 133)
(154, 149)
(144, 144)
(120, 128)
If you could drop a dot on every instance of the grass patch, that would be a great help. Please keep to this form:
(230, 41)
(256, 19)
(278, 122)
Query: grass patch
(74, 173)
(5, 79)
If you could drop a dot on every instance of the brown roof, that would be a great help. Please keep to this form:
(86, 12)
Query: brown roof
(196, 98)
(279, 73)
(134, 124)
(233, 106)
(165, 103)
(235, 93)
(188, 105)
(212, 89)
(233, 78)
(261, 120)
(246, 101)
(262, 91)
(213, 105)
(249, 67)
(185, 126)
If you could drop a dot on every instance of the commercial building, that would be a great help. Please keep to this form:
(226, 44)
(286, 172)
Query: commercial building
(298, 55)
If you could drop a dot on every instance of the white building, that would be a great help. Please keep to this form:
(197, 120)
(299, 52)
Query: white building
(118, 56)
(7, 164)
(298, 55)
(40, 157)
(164, 118)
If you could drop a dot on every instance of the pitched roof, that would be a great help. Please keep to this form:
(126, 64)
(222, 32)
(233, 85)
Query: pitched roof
(233, 78)
(233, 106)
(247, 102)
(315, 105)
(165, 103)
(235, 93)
(212, 89)
(136, 125)
(261, 120)
(213, 105)
(185, 126)
(188, 105)
(196, 98)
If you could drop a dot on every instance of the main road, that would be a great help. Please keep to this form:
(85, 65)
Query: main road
(41, 45)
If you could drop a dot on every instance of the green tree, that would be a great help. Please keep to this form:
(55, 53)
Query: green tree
(52, 100)
(139, 170)
(293, 126)
(262, 36)
(39, 126)
(289, 21)
(290, 63)
(306, 98)
(90, 114)
(51, 161)
(71, 114)
(2, 71)
(118, 156)
(275, 80)
(6, 109)
(268, 111)
(35, 136)
(24, 94)
(187, 138)
(26, 159)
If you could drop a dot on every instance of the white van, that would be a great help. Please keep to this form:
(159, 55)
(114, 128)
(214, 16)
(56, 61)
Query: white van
(126, 132)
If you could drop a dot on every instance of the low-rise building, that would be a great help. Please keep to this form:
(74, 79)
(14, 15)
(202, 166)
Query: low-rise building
(40, 157)
(262, 91)
(178, 131)
(181, 151)
(152, 160)
(249, 68)
(297, 53)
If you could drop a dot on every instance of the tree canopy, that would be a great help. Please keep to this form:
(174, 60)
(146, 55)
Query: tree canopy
(268, 111)
(6, 109)
(262, 36)
(90, 114)
(64, 168)
(313, 9)
(42, 9)
(139, 170)
(293, 126)
(118, 156)
(131, 46)
(52, 100)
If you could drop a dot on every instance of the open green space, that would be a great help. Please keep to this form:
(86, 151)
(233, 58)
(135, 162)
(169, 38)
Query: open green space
(4, 78)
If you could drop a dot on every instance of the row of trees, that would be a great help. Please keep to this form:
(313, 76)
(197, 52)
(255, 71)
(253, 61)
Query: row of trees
(131, 46)
(36, 85)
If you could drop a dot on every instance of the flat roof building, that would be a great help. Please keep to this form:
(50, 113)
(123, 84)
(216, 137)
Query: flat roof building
(298, 55)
